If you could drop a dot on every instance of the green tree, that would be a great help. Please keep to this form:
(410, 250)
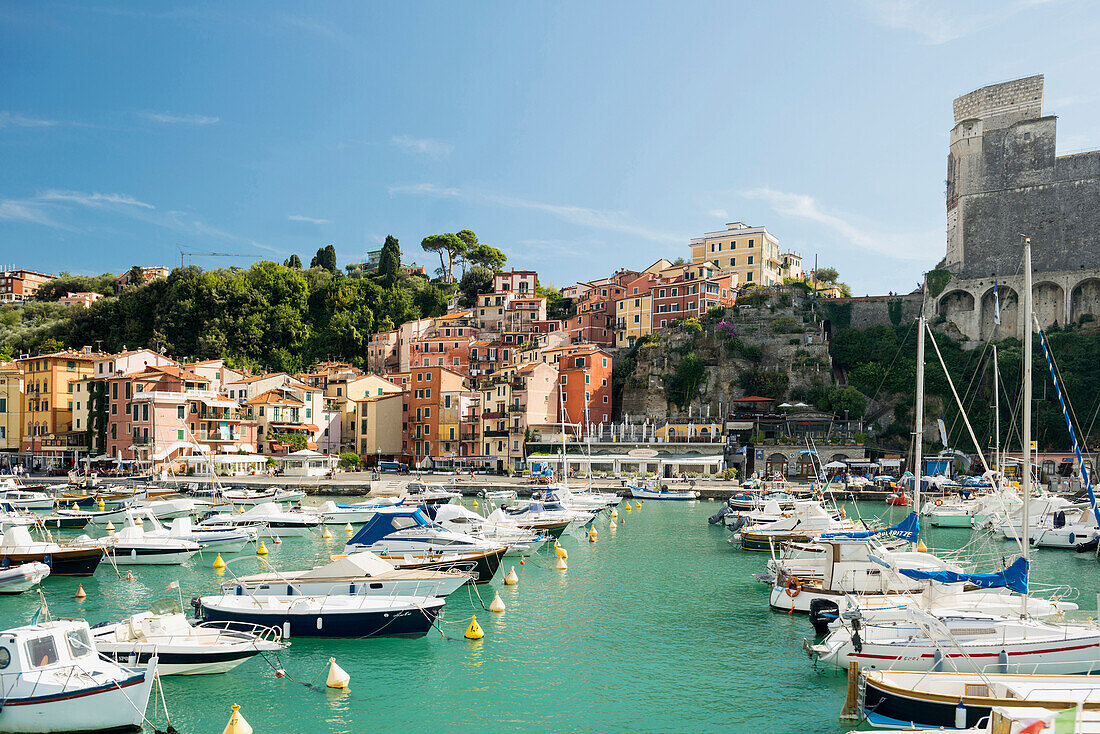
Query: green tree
(325, 258)
(478, 279)
(294, 262)
(826, 275)
(136, 276)
(450, 248)
(350, 460)
(479, 253)
(682, 386)
(50, 345)
(389, 264)
(768, 383)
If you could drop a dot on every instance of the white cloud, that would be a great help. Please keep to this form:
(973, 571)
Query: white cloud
(718, 214)
(423, 146)
(614, 221)
(45, 208)
(85, 199)
(14, 119)
(169, 118)
(938, 22)
(309, 220)
(15, 210)
(869, 237)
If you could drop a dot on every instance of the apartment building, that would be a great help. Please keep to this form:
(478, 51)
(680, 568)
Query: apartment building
(247, 387)
(690, 295)
(439, 399)
(522, 282)
(80, 298)
(17, 286)
(378, 426)
(47, 424)
(511, 401)
(634, 311)
(148, 274)
(595, 319)
(341, 395)
(751, 254)
(446, 343)
(585, 380)
(282, 412)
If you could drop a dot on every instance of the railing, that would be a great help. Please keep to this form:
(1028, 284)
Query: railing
(491, 415)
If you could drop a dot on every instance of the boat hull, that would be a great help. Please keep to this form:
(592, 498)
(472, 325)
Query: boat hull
(481, 568)
(672, 494)
(150, 556)
(180, 663)
(404, 623)
(115, 707)
(18, 579)
(69, 562)
(951, 521)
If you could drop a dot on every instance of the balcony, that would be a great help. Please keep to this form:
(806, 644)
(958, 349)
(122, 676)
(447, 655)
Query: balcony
(492, 415)
(495, 434)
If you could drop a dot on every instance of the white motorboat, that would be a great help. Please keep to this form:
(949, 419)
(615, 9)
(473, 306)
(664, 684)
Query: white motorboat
(54, 682)
(182, 648)
(23, 499)
(520, 541)
(164, 509)
(132, 546)
(17, 579)
(268, 520)
(403, 529)
(335, 513)
(550, 518)
(497, 495)
(590, 502)
(217, 540)
(423, 493)
(808, 520)
(71, 559)
(361, 573)
(249, 497)
(1065, 529)
(327, 616)
(947, 640)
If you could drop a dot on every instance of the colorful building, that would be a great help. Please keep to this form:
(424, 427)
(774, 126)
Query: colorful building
(439, 400)
(11, 414)
(751, 254)
(47, 424)
(17, 286)
(585, 380)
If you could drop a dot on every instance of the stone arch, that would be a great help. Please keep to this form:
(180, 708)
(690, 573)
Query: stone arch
(838, 457)
(777, 464)
(1010, 313)
(1085, 299)
(1048, 303)
(956, 302)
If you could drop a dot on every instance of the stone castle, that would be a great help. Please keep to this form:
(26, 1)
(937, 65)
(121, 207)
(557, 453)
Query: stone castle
(1004, 180)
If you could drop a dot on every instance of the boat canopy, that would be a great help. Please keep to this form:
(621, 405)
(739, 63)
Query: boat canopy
(352, 566)
(1014, 577)
(907, 529)
(388, 520)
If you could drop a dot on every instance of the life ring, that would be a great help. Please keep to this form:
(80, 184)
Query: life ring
(939, 503)
(794, 587)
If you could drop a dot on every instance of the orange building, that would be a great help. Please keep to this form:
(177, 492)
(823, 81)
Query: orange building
(20, 285)
(47, 428)
(585, 379)
(439, 399)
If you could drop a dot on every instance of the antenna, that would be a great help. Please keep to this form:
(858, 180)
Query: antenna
(190, 253)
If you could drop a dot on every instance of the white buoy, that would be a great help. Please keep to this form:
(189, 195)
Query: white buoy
(511, 579)
(337, 676)
(497, 604)
(237, 724)
(561, 564)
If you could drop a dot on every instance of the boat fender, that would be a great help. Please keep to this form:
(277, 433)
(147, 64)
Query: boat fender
(1072, 538)
(857, 642)
(286, 630)
(960, 715)
(1002, 662)
(320, 623)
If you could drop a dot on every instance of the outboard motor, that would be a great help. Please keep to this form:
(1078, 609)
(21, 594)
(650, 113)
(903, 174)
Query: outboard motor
(1059, 519)
(823, 612)
(1089, 546)
(857, 643)
(196, 602)
(737, 523)
(717, 517)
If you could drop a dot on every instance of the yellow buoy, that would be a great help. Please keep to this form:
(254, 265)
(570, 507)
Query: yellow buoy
(262, 550)
(921, 547)
(628, 508)
(474, 631)
(218, 562)
(80, 594)
(561, 564)
(561, 552)
(75, 507)
(348, 528)
(102, 506)
(137, 521)
(326, 534)
(637, 505)
(497, 604)
(337, 676)
(475, 503)
(237, 724)
(511, 579)
(240, 510)
(592, 535)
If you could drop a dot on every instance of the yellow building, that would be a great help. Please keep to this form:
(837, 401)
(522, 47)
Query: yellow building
(48, 384)
(378, 420)
(342, 394)
(633, 319)
(11, 387)
(750, 253)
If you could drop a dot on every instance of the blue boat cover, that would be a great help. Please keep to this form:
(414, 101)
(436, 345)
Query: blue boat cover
(1014, 577)
(907, 529)
(389, 520)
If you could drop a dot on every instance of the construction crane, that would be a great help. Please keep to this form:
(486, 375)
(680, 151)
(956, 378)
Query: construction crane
(188, 253)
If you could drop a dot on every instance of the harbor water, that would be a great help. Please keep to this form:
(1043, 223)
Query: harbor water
(656, 627)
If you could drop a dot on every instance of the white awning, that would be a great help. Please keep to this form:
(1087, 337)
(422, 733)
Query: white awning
(220, 403)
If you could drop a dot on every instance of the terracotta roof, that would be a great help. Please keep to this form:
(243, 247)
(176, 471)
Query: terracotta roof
(254, 378)
(168, 369)
(453, 315)
(273, 396)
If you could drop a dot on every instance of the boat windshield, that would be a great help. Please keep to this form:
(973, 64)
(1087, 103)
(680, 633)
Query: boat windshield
(165, 606)
(42, 651)
(79, 644)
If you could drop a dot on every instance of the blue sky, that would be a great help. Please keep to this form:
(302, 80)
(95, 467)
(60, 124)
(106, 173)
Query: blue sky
(576, 136)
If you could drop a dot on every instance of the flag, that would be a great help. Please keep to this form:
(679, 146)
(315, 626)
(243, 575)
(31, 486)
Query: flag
(37, 616)
(173, 585)
(1034, 727)
(996, 304)
(1066, 721)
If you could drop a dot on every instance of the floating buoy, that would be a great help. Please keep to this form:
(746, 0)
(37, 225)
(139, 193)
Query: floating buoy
(80, 593)
(475, 503)
(521, 562)
(326, 534)
(337, 676)
(348, 528)
(137, 521)
(262, 550)
(237, 724)
(497, 604)
(511, 579)
(628, 507)
(611, 525)
(218, 562)
(110, 528)
(75, 507)
(561, 564)
(276, 540)
(623, 521)
(637, 505)
(280, 673)
(474, 631)
(129, 575)
(592, 535)
(102, 506)
(921, 547)
(240, 510)
(561, 552)
(614, 512)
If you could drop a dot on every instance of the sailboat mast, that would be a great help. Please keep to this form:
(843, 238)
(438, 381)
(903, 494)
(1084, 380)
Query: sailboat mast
(918, 470)
(564, 448)
(996, 417)
(1026, 419)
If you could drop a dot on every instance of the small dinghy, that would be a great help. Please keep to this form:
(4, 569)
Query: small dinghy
(53, 681)
(259, 496)
(182, 648)
(658, 491)
(17, 579)
(131, 546)
(326, 616)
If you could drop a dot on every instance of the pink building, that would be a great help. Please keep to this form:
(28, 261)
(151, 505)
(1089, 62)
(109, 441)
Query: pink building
(522, 282)
(82, 298)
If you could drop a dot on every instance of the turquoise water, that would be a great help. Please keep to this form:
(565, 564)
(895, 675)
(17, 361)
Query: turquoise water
(656, 627)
